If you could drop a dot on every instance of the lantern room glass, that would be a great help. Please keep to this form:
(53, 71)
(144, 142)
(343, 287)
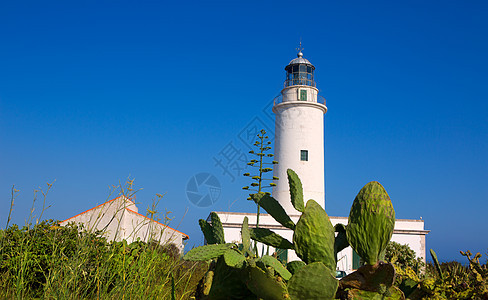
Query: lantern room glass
(299, 74)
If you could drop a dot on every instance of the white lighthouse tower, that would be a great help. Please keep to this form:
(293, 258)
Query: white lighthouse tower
(299, 134)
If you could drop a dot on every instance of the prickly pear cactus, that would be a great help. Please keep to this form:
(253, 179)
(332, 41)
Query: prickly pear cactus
(270, 238)
(294, 266)
(371, 222)
(340, 242)
(314, 236)
(276, 265)
(313, 281)
(245, 235)
(207, 231)
(234, 259)
(228, 283)
(217, 228)
(296, 190)
(204, 253)
(265, 286)
(274, 208)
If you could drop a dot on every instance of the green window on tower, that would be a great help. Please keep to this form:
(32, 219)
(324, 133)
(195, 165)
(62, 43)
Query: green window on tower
(304, 155)
(303, 95)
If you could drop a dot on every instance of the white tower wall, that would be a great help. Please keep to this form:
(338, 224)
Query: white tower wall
(299, 125)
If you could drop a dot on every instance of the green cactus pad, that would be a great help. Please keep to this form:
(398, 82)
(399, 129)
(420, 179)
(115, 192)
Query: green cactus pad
(340, 242)
(264, 286)
(314, 236)
(276, 265)
(217, 228)
(204, 253)
(436, 263)
(207, 282)
(207, 231)
(273, 208)
(313, 281)
(270, 238)
(245, 235)
(296, 190)
(371, 222)
(234, 259)
(294, 266)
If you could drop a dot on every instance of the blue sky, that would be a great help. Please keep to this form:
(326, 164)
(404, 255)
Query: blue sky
(92, 92)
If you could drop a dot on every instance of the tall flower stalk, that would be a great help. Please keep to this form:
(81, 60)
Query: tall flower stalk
(260, 180)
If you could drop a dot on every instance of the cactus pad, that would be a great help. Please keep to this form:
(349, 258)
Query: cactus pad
(313, 281)
(273, 208)
(314, 236)
(296, 190)
(234, 259)
(294, 266)
(245, 235)
(217, 228)
(277, 266)
(264, 286)
(207, 252)
(207, 231)
(270, 238)
(371, 222)
(340, 242)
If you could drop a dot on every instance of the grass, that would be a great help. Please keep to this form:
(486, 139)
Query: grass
(44, 260)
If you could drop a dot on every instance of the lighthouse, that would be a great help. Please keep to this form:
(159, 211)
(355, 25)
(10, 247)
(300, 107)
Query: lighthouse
(299, 134)
(299, 145)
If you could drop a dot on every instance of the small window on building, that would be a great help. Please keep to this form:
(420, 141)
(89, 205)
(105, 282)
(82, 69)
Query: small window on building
(303, 95)
(304, 155)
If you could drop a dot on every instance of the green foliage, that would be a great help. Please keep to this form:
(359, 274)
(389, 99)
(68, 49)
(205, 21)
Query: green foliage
(371, 222)
(50, 261)
(403, 256)
(457, 281)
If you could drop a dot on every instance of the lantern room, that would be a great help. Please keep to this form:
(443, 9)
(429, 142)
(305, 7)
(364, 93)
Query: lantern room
(299, 72)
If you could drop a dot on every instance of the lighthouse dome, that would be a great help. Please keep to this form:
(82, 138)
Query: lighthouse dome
(300, 60)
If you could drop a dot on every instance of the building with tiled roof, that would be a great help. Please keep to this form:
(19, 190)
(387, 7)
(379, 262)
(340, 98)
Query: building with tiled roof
(119, 219)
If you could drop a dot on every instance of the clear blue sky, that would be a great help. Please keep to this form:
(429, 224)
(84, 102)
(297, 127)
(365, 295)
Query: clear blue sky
(94, 91)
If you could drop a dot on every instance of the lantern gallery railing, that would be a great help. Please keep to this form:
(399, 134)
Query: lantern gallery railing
(278, 99)
(299, 81)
